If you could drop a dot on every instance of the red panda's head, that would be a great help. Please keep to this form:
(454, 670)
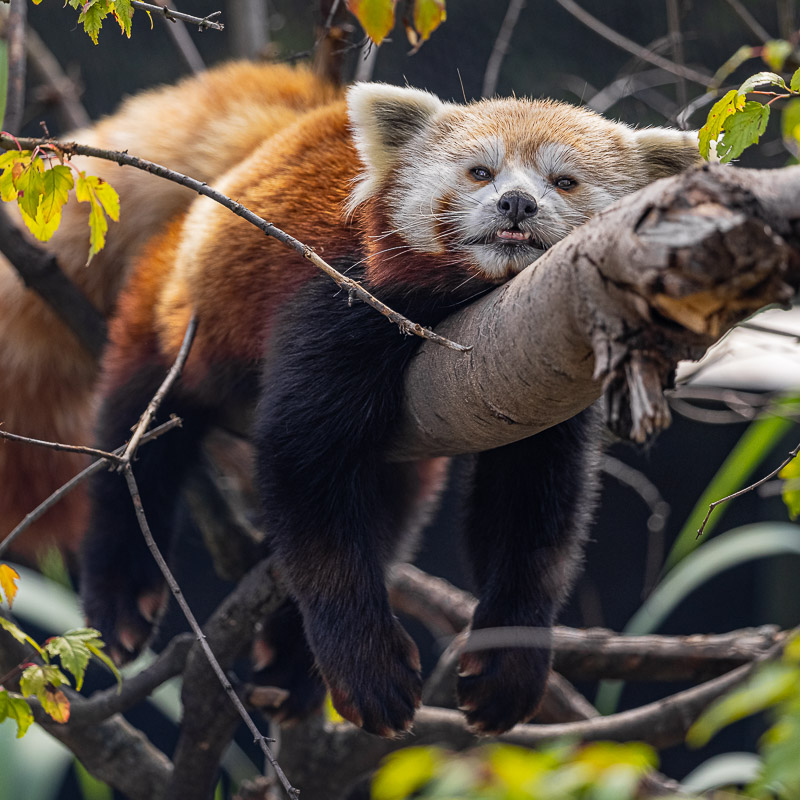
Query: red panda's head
(497, 182)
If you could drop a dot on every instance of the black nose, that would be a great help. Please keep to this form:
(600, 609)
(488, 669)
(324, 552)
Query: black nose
(517, 206)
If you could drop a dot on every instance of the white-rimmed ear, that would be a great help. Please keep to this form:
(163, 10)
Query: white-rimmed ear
(666, 151)
(383, 119)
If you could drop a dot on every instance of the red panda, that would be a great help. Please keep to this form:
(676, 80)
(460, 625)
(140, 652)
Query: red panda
(430, 204)
(202, 126)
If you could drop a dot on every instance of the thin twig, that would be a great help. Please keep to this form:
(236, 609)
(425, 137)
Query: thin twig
(68, 448)
(501, 45)
(632, 47)
(177, 593)
(201, 22)
(158, 397)
(353, 288)
(749, 20)
(792, 455)
(67, 487)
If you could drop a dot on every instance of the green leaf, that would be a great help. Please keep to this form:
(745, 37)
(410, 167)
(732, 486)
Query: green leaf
(92, 15)
(742, 130)
(727, 105)
(405, 772)
(376, 17)
(794, 85)
(14, 707)
(36, 679)
(775, 52)
(123, 13)
(769, 686)
(790, 125)
(761, 79)
(428, 16)
(57, 183)
(73, 651)
(30, 184)
(791, 489)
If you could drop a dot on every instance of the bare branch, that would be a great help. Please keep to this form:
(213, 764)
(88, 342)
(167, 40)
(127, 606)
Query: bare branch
(173, 16)
(353, 288)
(68, 448)
(791, 457)
(501, 45)
(676, 43)
(39, 269)
(631, 47)
(66, 488)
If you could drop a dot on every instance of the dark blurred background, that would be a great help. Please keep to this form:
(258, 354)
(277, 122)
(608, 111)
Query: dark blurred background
(551, 54)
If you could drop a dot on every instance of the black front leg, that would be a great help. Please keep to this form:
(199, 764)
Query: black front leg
(335, 510)
(529, 515)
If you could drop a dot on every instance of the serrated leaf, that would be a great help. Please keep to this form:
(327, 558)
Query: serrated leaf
(72, 650)
(775, 52)
(57, 183)
(794, 84)
(376, 17)
(92, 15)
(36, 679)
(107, 196)
(428, 16)
(123, 13)
(8, 583)
(41, 229)
(741, 130)
(727, 105)
(19, 634)
(30, 185)
(761, 79)
(16, 708)
(100, 195)
(11, 156)
(55, 703)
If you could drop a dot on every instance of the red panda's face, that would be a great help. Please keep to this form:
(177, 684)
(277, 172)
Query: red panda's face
(494, 184)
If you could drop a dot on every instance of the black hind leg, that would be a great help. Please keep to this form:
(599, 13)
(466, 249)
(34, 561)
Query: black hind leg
(528, 520)
(122, 590)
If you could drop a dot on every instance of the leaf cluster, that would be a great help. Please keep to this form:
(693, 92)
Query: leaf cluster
(40, 181)
(734, 122)
(74, 649)
(774, 688)
(93, 13)
(420, 18)
(596, 771)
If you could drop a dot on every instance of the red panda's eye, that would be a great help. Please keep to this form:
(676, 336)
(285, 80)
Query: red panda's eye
(565, 183)
(481, 173)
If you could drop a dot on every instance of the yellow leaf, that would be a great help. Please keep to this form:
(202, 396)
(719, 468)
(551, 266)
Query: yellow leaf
(42, 229)
(101, 196)
(57, 183)
(8, 583)
(428, 15)
(376, 17)
(55, 703)
(108, 198)
(405, 772)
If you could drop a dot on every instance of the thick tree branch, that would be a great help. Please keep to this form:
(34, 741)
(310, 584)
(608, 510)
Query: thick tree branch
(653, 279)
(39, 270)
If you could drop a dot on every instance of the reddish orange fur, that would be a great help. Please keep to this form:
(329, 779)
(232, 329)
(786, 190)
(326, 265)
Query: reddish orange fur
(201, 126)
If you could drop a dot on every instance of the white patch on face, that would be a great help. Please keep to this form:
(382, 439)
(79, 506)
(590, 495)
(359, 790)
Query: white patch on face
(437, 207)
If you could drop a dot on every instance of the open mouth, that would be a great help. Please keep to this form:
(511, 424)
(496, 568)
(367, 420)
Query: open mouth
(512, 238)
